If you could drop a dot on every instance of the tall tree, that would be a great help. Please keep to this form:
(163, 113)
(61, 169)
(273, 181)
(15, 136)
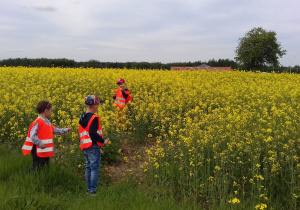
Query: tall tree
(259, 48)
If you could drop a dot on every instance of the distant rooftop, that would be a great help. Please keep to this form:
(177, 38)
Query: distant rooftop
(201, 67)
(204, 65)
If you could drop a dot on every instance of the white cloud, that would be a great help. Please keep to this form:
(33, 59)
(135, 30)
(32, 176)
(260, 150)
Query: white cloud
(45, 8)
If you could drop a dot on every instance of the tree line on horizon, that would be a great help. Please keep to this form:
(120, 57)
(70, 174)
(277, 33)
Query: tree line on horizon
(69, 63)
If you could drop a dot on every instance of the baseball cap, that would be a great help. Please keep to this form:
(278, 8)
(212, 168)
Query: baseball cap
(121, 80)
(93, 100)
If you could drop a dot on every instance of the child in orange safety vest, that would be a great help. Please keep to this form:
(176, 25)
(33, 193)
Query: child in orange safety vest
(121, 97)
(91, 140)
(39, 141)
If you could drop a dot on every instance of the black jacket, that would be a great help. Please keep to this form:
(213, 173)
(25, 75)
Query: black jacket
(84, 120)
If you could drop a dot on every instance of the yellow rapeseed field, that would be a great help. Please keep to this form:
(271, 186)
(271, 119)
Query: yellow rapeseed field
(228, 137)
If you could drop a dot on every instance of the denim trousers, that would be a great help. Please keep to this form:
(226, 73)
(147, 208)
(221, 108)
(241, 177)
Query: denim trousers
(93, 158)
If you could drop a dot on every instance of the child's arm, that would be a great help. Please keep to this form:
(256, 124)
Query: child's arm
(125, 93)
(93, 132)
(60, 131)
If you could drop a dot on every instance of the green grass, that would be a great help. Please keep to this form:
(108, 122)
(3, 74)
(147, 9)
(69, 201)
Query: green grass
(61, 187)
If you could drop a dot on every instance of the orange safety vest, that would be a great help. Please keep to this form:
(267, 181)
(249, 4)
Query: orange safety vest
(84, 136)
(45, 134)
(120, 100)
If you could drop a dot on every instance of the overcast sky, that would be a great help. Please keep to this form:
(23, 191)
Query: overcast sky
(143, 30)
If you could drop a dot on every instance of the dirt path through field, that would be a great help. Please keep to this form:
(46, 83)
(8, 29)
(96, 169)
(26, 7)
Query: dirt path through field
(132, 157)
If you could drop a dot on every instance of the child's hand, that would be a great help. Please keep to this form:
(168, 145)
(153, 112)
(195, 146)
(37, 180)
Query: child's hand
(43, 146)
(106, 141)
(69, 129)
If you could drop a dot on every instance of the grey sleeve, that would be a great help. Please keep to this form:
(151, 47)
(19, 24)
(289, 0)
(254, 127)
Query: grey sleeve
(60, 131)
(33, 135)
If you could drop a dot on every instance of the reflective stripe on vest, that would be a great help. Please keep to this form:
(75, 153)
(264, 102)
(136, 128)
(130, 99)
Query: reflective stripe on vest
(45, 134)
(27, 147)
(84, 137)
(85, 141)
(123, 99)
(47, 149)
(85, 133)
(120, 100)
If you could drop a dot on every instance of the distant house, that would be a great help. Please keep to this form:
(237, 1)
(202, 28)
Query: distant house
(201, 67)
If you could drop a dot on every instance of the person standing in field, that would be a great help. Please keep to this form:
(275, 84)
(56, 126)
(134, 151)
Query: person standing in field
(91, 140)
(121, 97)
(39, 141)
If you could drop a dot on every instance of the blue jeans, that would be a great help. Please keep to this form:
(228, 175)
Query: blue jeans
(93, 158)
